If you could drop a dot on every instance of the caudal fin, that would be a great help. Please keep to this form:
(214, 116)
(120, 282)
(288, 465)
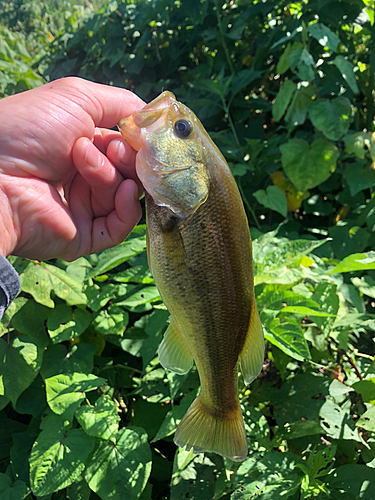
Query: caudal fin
(202, 431)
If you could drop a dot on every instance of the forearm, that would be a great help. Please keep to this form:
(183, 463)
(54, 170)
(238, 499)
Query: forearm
(9, 284)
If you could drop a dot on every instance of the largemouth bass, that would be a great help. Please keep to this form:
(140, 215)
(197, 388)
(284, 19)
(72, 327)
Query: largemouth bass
(199, 252)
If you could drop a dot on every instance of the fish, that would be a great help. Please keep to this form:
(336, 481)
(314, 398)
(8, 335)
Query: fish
(199, 252)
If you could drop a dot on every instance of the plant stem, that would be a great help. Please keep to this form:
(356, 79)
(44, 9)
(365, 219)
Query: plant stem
(222, 38)
(248, 206)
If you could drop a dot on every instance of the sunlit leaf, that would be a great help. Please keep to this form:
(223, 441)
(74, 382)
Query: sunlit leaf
(58, 456)
(120, 468)
(307, 166)
(356, 262)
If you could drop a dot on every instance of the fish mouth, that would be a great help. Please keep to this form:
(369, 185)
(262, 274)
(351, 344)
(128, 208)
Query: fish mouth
(150, 116)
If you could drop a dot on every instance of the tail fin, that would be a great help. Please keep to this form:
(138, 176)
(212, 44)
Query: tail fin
(202, 431)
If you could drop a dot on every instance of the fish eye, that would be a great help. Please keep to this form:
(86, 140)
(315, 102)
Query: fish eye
(183, 128)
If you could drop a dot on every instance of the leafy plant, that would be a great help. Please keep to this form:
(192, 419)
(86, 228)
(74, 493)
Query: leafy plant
(286, 90)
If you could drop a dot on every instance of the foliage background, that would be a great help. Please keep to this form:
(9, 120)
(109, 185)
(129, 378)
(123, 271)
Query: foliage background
(287, 92)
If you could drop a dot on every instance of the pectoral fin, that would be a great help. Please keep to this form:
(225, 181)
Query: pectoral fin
(173, 352)
(252, 355)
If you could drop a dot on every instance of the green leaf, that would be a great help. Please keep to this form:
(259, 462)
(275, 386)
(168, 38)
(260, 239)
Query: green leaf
(346, 69)
(138, 297)
(156, 324)
(65, 392)
(79, 490)
(358, 143)
(8, 491)
(355, 480)
(337, 422)
(289, 338)
(136, 274)
(111, 321)
(120, 469)
(283, 98)
(274, 257)
(367, 390)
(57, 359)
(197, 476)
(301, 103)
(20, 453)
(289, 57)
(331, 117)
(174, 416)
(306, 66)
(113, 257)
(273, 198)
(359, 177)
(356, 262)
(348, 238)
(8, 315)
(20, 362)
(242, 79)
(98, 296)
(295, 430)
(365, 285)
(308, 166)
(101, 420)
(33, 400)
(65, 323)
(30, 320)
(326, 296)
(41, 279)
(324, 35)
(269, 476)
(58, 456)
(367, 420)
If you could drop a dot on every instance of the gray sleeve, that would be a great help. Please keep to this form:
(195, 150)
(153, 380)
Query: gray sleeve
(9, 284)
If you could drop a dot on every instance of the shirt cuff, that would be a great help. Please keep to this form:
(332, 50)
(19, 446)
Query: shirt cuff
(9, 284)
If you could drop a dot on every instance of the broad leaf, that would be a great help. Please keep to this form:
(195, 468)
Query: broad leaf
(120, 469)
(57, 359)
(113, 257)
(269, 476)
(324, 35)
(367, 420)
(307, 166)
(20, 362)
(331, 117)
(359, 177)
(197, 476)
(346, 69)
(12, 491)
(273, 198)
(65, 323)
(30, 320)
(58, 456)
(283, 98)
(65, 392)
(101, 420)
(356, 262)
(111, 321)
(41, 279)
(289, 338)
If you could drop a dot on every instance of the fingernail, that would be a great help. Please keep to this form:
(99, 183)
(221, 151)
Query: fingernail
(93, 157)
(121, 151)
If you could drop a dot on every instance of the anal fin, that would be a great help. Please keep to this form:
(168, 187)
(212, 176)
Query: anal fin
(252, 354)
(173, 352)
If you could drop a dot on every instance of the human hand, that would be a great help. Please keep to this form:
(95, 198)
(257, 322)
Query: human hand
(68, 185)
